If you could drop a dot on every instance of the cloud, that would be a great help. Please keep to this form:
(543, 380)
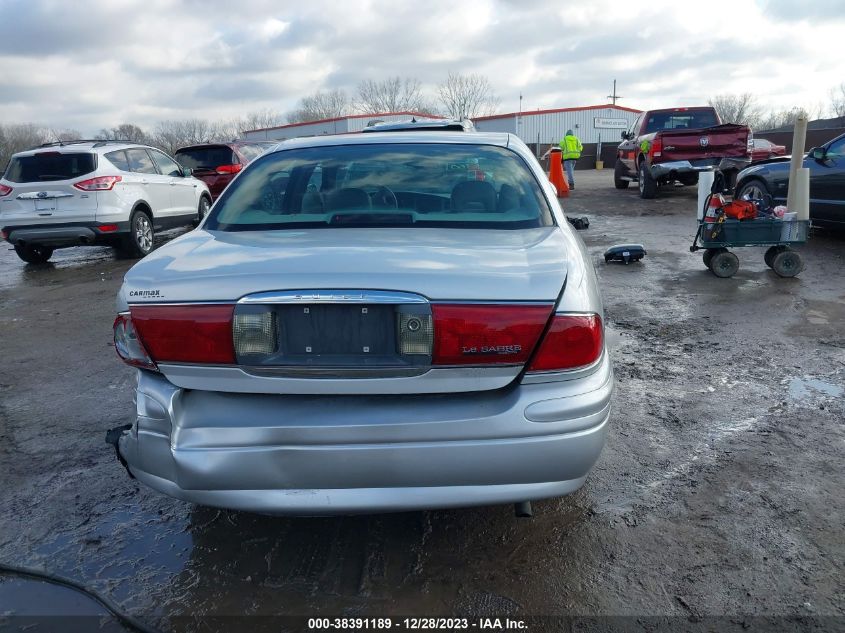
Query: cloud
(145, 60)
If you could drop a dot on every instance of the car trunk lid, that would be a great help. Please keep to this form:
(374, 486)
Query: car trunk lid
(413, 307)
(43, 191)
(721, 141)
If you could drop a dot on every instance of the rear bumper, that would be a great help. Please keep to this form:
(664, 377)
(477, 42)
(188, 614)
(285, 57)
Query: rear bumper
(282, 454)
(66, 234)
(661, 170)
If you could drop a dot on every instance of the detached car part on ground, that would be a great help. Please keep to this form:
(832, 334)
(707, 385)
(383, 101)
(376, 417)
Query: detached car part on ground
(664, 147)
(85, 193)
(827, 182)
(389, 333)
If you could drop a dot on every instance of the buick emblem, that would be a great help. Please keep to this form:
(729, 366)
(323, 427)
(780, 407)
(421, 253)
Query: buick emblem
(704, 141)
(42, 194)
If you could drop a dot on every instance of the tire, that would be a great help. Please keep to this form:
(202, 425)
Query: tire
(139, 243)
(202, 210)
(34, 254)
(755, 189)
(708, 255)
(618, 181)
(724, 264)
(787, 263)
(648, 185)
(771, 253)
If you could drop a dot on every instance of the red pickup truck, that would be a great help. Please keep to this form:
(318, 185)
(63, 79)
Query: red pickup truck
(666, 146)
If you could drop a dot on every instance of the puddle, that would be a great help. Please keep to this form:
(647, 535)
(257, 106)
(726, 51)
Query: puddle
(809, 388)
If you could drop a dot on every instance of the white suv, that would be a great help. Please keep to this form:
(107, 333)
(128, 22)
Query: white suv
(111, 193)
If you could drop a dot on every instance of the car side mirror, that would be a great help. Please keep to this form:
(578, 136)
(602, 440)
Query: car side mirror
(818, 153)
(186, 172)
(624, 136)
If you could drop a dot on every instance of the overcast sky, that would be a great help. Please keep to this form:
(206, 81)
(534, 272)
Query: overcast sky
(93, 64)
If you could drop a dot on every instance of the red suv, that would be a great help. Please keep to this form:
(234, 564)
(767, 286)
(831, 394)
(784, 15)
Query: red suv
(217, 163)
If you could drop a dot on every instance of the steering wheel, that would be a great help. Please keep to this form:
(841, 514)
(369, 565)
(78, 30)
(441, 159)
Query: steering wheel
(385, 198)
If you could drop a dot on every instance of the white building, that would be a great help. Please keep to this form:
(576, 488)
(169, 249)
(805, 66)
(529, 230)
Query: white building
(339, 125)
(589, 123)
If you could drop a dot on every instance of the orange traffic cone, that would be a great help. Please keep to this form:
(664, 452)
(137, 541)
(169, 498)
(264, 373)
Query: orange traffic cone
(556, 173)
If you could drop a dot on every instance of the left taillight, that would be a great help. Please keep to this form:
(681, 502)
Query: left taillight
(100, 183)
(127, 344)
(656, 149)
(5, 191)
(186, 333)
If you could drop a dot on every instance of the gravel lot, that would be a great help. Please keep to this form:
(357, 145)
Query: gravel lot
(720, 491)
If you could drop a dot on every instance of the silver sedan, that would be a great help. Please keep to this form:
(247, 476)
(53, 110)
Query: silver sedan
(367, 323)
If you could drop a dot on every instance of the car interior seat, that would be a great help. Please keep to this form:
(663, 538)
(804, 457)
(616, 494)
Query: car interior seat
(473, 196)
(350, 198)
(508, 199)
(312, 202)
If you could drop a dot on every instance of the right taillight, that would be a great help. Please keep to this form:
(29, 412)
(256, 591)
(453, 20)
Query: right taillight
(572, 341)
(5, 191)
(100, 183)
(229, 169)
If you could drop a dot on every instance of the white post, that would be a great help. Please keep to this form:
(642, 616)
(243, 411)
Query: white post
(705, 183)
(801, 205)
(799, 137)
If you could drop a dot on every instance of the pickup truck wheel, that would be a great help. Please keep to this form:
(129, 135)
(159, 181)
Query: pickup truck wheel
(139, 242)
(34, 254)
(648, 185)
(618, 181)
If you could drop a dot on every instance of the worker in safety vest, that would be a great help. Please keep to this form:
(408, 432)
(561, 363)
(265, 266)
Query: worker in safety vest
(571, 148)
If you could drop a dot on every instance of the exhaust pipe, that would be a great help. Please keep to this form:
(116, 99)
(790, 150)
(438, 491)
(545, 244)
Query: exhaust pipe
(523, 510)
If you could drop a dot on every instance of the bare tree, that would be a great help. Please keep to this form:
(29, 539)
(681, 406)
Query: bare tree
(321, 105)
(171, 135)
(391, 95)
(781, 118)
(737, 108)
(255, 120)
(64, 135)
(124, 132)
(467, 96)
(19, 137)
(837, 100)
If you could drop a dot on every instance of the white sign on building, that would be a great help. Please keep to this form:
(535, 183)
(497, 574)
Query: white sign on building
(603, 123)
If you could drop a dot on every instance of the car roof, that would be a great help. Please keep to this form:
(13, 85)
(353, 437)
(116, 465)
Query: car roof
(229, 144)
(423, 125)
(372, 138)
(83, 145)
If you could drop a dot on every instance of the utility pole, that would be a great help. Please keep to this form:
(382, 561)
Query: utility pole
(614, 96)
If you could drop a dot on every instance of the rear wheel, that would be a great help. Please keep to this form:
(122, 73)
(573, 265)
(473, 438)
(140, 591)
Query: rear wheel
(204, 206)
(754, 189)
(708, 255)
(648, 185)
(34, 254)
(771, 253)
(787, 263)
(724, 264)
(139, 242)
(618, 171)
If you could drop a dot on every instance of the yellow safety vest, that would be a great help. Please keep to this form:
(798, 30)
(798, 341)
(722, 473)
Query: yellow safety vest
(571, 147)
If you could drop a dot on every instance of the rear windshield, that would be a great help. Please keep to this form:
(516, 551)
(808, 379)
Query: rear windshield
(402, 185)
(206, 157)
(251, 152)
(46, 166)
(685, 120)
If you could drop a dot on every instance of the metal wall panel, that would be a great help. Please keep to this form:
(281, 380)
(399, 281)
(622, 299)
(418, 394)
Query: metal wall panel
(551, 126)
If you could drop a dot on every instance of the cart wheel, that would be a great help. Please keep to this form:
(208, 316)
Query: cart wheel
(771, 252)
(787, 263)
(724, 264)
(708, 254)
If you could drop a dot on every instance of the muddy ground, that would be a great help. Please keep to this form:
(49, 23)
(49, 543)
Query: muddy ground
(720, 491)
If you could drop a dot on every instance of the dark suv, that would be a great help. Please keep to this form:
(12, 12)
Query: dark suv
(217, 163)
